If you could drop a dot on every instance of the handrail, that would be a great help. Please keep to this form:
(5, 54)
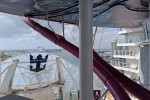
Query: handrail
(130, 40)
(125, 52)
(125, 65)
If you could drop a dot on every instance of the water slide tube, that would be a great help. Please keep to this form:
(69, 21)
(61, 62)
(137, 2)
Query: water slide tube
(113, 79)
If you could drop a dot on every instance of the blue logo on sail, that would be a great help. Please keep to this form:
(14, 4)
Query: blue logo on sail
(39, 63)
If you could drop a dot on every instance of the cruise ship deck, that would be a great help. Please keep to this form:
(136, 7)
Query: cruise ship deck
(77, 72)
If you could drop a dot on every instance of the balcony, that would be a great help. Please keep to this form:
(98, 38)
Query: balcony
(125, 66)
(125, 54)
(133, 30)
(130, 42)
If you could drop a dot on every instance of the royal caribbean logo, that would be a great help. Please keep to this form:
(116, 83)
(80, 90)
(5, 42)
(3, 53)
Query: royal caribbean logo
(38, 64)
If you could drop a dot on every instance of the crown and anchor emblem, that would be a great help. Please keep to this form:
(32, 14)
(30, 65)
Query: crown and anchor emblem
(39, 63)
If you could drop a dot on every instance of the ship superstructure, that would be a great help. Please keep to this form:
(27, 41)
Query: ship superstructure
(128, 55)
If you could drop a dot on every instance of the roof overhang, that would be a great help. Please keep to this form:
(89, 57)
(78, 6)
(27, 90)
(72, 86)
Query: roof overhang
(118, 15)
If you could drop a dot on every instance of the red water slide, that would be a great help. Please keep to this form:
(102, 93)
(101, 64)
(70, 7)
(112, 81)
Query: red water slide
(109, 75)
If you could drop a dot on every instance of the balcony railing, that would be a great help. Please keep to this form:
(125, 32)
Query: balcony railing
(130, 40)
(125, 53)
(125, 66)
(133, 30)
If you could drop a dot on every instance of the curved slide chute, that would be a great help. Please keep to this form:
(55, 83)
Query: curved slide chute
(113, 79)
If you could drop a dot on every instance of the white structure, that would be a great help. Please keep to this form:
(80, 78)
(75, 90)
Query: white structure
(8, 78)
(126, 52)
(59, 79)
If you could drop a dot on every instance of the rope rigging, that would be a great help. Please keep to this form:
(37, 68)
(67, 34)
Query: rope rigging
(101, 39)
(50, 25)
(63, 28)
(96, 28)
(72, 35)
(48, 21)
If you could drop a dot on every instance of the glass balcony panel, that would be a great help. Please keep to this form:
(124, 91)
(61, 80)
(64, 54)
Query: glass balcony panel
(125, 65)
(130, 40)
(125, 53)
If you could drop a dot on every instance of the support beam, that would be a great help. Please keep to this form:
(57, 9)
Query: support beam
(6, 83)
(145, 65)
(86, 49)
(0, 69)
(60, 80)
(63, 26)
(64, 93)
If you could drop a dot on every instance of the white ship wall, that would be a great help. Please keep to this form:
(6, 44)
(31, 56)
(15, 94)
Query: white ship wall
(145, 66)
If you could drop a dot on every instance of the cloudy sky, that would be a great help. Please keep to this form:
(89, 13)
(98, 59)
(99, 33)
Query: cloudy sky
(15, 34)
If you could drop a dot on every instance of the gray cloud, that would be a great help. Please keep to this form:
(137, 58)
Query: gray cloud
(19, 35)
(15, 34)
(12, 26)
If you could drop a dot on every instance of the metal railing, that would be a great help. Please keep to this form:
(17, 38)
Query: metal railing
(125, 52)
(125, 65)
(130, 40)
(131, 30)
